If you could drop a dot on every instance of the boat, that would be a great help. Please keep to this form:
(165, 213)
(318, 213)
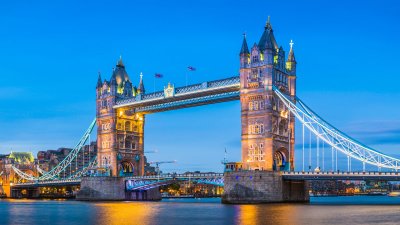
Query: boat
(394, 194)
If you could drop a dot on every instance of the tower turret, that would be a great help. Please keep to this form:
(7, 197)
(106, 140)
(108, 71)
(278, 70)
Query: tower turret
(291, 60)
(244, 53)
(113, 83)
(99, 83)
(141, 89)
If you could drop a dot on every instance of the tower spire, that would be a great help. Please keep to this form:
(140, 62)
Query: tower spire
(291, 57)
(141, 89)
(245, 48)
(120, 63)
(99, 80)
(268, 23)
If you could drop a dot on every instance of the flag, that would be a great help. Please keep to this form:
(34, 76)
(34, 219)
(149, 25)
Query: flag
(158, 75)
(191, 68)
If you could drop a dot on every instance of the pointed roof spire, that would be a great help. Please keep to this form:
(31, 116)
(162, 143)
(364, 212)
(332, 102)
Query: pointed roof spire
(120, 63)
(99, 80)
(268, 23)
(267, 40)
(291, 57)
(141, 85)
(245, 48)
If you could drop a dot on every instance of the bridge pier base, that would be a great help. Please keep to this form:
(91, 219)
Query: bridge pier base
(147, 195)
(252, 187)
(113, 189)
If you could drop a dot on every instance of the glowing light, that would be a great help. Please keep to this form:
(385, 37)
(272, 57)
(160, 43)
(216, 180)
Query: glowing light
(284, 114)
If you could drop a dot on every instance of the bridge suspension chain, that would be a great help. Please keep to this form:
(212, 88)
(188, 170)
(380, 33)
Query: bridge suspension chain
(335, 138)
(67, 161)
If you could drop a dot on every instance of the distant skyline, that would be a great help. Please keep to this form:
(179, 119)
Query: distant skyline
(51, 52)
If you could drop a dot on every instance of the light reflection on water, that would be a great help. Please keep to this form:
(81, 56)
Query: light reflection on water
(324, 210)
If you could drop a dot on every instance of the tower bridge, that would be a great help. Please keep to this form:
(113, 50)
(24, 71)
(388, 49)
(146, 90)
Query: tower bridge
(266, 88)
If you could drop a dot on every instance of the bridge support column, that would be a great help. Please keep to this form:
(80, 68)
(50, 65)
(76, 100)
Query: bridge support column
(112, 189)
(251, 187)
(145, 195)
(102, 189)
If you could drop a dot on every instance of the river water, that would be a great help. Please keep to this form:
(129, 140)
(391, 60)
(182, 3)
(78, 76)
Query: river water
(321, 210)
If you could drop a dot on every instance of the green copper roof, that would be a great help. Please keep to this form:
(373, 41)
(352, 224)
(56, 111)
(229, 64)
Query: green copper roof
(22, 156)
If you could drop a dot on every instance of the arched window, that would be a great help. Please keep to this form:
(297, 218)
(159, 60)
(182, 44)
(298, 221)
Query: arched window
(121, 142)
(255, 105)
(128, 143)
(128, 126)
(261, 128)
(250, 105)
(119, 126)
(257, 129)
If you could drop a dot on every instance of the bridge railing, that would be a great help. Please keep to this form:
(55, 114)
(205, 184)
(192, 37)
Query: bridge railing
(49, 182)
(341, 173)
(172, 175)
(184, 90)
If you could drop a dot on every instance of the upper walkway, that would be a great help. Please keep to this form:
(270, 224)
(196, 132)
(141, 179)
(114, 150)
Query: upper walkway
(188, 96)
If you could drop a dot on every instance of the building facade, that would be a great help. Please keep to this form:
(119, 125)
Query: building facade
(120, 131)
(49, 159)
(267, 127)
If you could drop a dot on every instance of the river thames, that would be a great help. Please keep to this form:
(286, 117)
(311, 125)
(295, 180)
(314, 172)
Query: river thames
(321, 210)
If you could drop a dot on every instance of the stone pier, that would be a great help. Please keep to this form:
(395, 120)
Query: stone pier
(112, 189)
(251, 187)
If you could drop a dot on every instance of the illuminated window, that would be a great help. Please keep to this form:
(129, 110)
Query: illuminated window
(262, 104)
(255, 105)
(257, 129)
(119, 126)
(261, 128)
(250, 105)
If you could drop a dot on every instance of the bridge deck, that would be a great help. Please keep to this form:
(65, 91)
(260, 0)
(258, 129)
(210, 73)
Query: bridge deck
(68, 182)
(183, 97)
(382, 176)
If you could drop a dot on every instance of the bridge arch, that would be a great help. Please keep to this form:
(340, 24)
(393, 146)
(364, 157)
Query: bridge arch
(279, 162)
(126, 168)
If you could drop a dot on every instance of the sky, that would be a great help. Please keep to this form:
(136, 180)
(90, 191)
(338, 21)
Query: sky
(51, 52)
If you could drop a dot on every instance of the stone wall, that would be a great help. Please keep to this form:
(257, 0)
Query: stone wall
(249, 187)
(102, 188)
(113, 189)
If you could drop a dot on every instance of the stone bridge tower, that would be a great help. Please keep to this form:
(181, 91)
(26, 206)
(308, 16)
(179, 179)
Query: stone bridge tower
(267, 126)
(119, 131)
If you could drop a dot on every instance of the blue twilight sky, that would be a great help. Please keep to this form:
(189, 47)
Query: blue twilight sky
(50, 53)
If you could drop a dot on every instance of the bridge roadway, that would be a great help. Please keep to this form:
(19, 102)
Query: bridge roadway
(158, 178)
(140, 182)
(381, 176)
(182, 97)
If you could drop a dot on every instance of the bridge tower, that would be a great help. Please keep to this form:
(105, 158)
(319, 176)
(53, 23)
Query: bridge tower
(119, 131)
(267, 127)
